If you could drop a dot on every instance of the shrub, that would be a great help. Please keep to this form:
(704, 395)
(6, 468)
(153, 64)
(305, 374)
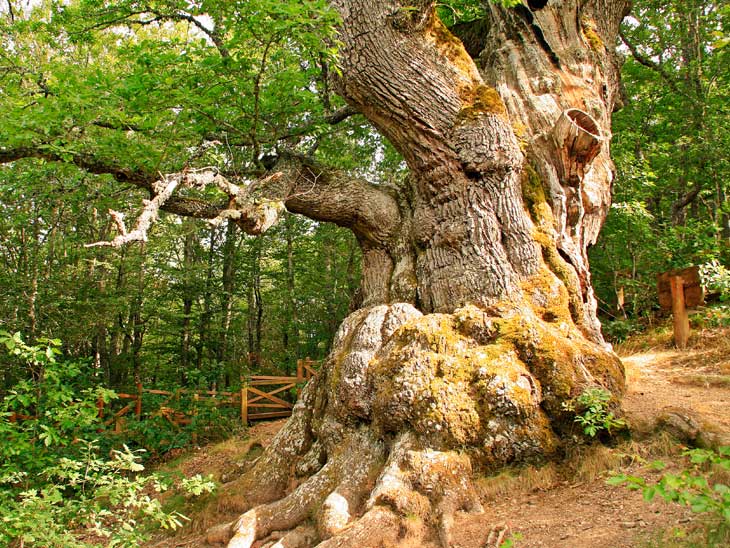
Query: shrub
(56, 489)
(691, 487)
(592, 412)
(716, 279)
(618, 330)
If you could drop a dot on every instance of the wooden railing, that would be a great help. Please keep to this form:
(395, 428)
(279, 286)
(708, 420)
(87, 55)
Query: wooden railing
(258, 399)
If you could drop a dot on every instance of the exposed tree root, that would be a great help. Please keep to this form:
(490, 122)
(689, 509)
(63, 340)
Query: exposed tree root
(387, 433)
(379, 526)
(336, 488)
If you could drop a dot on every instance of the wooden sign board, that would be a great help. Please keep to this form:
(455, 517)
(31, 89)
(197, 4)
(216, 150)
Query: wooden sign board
(693, 292)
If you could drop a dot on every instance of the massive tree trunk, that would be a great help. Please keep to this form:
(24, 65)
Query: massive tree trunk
(478, 318)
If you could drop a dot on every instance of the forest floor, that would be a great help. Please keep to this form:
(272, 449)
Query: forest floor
(567, 504)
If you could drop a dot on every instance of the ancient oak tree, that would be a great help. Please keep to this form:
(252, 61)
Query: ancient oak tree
(476, 319)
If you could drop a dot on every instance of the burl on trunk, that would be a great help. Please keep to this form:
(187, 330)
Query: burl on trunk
(477, 318)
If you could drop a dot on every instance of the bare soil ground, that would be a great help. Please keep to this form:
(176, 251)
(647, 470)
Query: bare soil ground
(567, 505)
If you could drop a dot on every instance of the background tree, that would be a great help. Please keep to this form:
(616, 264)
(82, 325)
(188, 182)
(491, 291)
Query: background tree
(671, 152)
(155, 306)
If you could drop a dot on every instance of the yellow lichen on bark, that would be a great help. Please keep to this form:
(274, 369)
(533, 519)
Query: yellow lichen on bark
(480, 100)
(533, 194)
(450, 47)
(560, 357)
(588, 26)
(537, 205)
(549, 297)
(445, 377)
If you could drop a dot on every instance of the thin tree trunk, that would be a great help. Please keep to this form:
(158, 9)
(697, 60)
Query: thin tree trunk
(187, 299)
(290, 336)
(255, 308)
(228, 281)
(135, 321)
(204, 343)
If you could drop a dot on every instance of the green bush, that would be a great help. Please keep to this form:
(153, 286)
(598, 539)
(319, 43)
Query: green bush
(691, 487)
(617, 331)
(158, 436)
(56, 488)
(85, 501)
(592, 412)
(716, 279)
(712, 316)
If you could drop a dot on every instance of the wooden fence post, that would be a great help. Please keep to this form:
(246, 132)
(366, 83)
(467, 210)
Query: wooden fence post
(244, 405)
(196, 398)
(679, 312)
(138, 406)
(300, 370)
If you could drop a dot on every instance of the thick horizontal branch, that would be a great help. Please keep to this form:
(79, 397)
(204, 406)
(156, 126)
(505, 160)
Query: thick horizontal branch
(296, 183)
(323, 194)
(178, 205)
(87, 162)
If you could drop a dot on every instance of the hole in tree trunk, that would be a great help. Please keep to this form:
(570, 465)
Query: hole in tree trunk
(578, 139)
(537, 4)
(584, 121)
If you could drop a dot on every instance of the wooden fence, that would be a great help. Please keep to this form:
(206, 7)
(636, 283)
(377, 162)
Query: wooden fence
(258, 399)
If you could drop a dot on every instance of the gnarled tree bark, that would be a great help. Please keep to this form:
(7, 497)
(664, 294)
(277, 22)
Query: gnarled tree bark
(478, 319)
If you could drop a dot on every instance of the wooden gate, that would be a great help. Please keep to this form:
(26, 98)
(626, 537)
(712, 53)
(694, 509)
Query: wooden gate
(258, 404)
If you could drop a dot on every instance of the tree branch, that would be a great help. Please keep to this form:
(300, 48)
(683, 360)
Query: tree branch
(86, 162)
(11, 12)
(649, 63)
(341, 115)
(296, 183)
(187, 207)
(149, 215)
(682, 202)
(126, 18)
(214, 36)
(322, 194)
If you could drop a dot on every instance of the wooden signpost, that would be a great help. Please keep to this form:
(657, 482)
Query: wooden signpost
(678, 291)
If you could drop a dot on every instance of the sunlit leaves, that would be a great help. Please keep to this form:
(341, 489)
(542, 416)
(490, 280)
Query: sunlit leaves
(146, 83)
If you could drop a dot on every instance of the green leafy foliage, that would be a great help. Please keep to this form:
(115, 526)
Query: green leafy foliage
(592, 412)
(452, 12)
(55, 406)
(670, 142)
(512, 541)
(85, 498)
(56, 488)
(692, 486)
(156, 435)
(716, 279)
(159, 87)
(198, 485)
